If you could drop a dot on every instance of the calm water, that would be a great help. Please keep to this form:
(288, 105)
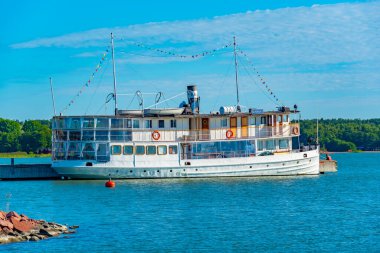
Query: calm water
(337, 212)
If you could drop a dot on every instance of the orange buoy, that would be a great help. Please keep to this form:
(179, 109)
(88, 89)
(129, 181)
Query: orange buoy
(110, 183)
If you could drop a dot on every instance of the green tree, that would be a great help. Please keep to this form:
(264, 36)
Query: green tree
(10, 132)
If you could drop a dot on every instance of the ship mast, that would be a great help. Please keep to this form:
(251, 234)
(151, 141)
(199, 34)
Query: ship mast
(236, 76)
(114, 73)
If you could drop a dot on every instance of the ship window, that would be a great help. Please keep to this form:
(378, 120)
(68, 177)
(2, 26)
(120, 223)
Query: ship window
(150, 150)
(88, 135)
(74, 135)
(161, 123)
(116, 123)
(283, 143)
(102, 123)
(223, 122)
(60, 123)
(116, 150)
(173, 123)
(74, 151)
(148, 123)
(61, 135)
(116, 136)
(173, 149)
(139, 150)
(263, 120)
(279, 118)
(260, 145)
(252, 121)
(162, 150)
(88, 123)
(136, 123)
(286, 118)
(128, 123)
(59, 151)
(88, 151)
(270, 145)
(101, 135)
(74, 123)
(128, 150)
(102, 154)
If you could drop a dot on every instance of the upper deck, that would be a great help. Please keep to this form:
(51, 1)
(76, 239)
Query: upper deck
(179, 128)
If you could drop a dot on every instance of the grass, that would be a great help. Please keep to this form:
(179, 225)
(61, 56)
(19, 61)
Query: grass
(22, 155)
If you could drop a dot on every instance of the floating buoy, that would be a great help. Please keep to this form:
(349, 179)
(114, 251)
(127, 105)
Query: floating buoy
(110, 183)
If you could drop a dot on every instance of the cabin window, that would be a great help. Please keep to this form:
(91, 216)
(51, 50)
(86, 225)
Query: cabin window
(283, 143)
(260, 145)
(270, 145)
(173, 150)
(148, 123)
(252, 121)
(88, 151)
(162, 150)
(116, 150)
(136, 123)
(74, 123)
(116, 123)
(263, 120)
(74, 151)
(88, 135)
(88, 123)
(223, 122)
(117, 135)
(128, 150)
(60, 123)
(102, 123)
(151, 150)
(173, 123)
(161, 123)
(59, 150)
(279, 118)
(61, 135)
(102, 154)
(101, 135)
(128, 123)
(74, 136)
(286, 118)
(140, 150)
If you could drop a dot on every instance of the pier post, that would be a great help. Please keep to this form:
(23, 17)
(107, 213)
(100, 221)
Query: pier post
(12, 162)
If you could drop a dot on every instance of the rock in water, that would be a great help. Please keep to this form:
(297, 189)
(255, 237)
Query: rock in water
(17, 228)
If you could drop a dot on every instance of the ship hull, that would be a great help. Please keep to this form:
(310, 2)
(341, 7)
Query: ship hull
(292, 164)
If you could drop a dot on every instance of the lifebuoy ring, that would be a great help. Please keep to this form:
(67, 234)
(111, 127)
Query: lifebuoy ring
(229, 134)
(156, 135)
(295, 130)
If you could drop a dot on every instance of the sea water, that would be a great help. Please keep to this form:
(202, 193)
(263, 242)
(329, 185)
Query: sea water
(335, 212)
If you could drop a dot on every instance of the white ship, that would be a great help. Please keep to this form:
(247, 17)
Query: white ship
(181, 143)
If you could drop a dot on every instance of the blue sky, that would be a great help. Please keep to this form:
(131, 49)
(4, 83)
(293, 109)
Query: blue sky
(322, 55)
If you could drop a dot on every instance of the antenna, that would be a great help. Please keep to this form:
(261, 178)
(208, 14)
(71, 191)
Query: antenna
(236, 75)
(114, 73)
(52, 95)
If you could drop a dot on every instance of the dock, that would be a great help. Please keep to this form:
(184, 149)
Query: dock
(328, 166)
(27, 171)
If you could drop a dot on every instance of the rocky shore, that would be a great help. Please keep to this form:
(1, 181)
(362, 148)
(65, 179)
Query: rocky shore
(17, 228)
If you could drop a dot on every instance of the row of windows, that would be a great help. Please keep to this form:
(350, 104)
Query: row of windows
(144, 150)
(75, 123)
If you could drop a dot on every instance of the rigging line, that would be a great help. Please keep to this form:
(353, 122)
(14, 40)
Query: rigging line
(262, 79)
(253, 79)
(133, 98)
(97, 85)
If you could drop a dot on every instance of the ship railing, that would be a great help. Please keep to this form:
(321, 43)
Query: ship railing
(122, 135)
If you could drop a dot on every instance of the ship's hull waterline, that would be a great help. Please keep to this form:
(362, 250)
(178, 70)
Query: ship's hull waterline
(303, 163)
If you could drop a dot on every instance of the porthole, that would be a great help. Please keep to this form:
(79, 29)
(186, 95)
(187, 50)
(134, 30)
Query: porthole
(298, 162)
(267, 165)
(158, 171)
(283, 164)
(184, 170)
(250, 167)
(196, 169)
(130, 171)
(171, 170)
(144, 171)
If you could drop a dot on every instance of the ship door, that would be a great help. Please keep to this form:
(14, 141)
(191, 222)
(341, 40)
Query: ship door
(233, 126)
(205, 134)
(244, 127)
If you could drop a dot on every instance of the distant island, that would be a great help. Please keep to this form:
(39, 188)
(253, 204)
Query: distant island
(32, 138)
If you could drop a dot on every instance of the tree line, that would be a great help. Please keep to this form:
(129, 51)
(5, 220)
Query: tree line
(334, 135)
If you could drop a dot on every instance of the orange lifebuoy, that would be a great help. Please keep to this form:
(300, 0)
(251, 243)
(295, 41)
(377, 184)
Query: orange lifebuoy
(295, 130)
(156, 135)
(229, 134)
